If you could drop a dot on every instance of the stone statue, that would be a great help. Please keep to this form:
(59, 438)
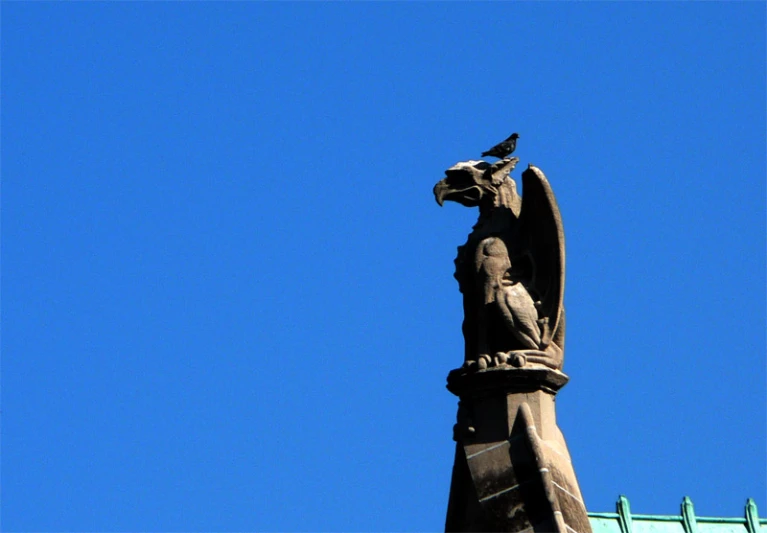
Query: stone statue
(512, 469)
(511, 270)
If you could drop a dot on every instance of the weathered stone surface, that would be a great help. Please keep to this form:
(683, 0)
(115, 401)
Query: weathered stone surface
(512, 470)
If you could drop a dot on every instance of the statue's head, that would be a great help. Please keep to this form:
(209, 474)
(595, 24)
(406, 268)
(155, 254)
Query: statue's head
(477, 183)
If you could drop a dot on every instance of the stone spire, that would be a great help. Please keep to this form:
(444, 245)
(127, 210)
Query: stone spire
(512, 470)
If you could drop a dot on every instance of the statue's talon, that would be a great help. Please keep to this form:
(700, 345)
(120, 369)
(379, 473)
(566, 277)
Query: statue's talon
(483, 360)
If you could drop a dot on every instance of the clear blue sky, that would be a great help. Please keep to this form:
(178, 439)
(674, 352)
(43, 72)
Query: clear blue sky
(227, 293)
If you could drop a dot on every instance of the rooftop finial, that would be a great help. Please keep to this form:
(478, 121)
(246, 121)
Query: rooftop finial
(624, 514)
(688, 516)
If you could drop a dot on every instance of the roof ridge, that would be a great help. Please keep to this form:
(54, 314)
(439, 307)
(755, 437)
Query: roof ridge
(688, 518)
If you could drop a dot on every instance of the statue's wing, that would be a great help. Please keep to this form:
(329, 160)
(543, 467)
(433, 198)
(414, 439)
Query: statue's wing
(542, 238)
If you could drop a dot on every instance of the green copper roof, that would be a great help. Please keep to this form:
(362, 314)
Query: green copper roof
(623, 521)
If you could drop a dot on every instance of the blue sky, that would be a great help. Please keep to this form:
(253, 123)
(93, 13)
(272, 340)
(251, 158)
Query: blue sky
(227, 293)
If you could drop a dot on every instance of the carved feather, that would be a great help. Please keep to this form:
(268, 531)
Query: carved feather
(520, 314)
(541, 235)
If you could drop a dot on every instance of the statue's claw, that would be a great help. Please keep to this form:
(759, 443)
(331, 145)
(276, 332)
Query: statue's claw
(519, 360)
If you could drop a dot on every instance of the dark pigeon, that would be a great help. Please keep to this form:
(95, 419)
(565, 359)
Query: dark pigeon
(503, 149)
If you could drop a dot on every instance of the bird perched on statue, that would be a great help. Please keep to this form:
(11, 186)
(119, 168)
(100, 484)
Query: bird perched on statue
(503, 149)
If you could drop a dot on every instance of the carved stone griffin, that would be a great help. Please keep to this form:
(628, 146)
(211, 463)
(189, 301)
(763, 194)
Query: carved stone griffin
(511, 270)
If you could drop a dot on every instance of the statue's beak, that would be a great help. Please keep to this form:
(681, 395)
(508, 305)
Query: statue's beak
(440, 191)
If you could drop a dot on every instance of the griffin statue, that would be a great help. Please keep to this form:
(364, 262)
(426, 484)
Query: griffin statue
(511, 270)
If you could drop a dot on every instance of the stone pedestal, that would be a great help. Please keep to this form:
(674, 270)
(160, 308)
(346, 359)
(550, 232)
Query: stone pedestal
(512, 470)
